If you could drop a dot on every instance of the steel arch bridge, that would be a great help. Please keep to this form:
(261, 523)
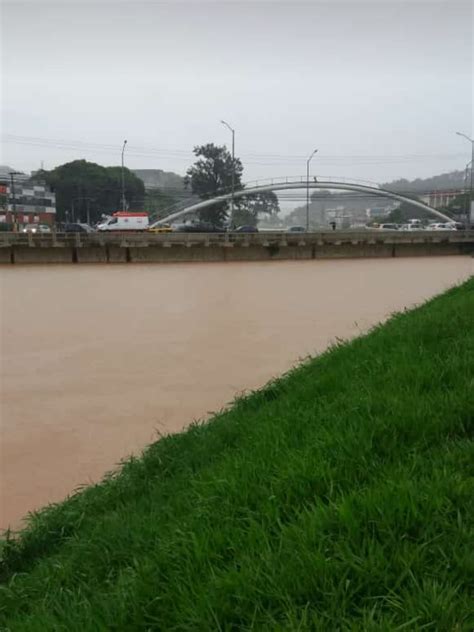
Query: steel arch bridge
(289, 183)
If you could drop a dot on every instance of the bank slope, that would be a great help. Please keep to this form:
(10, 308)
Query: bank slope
(340, 497)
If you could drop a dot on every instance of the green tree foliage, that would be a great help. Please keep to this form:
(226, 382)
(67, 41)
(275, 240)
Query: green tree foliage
(459, 207)
(249, 208)
(407, 211)
(211, 175)
(158, 203)
(81, 184)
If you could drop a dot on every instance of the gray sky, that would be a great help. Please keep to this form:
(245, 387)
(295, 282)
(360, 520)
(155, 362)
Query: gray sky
(378, 87)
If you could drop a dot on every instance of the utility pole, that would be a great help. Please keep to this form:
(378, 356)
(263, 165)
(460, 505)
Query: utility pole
(307, 189)
(470, 206)
(233, 173)
(124, 202)
(12, 178)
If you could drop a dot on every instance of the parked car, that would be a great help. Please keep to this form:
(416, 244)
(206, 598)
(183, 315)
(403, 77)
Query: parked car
(165, 228)
(75, 227)
(296, 229)
(411, 227)
(388, 227)
(36, 228)
(198, 227)
(246, 229)
(442, 226)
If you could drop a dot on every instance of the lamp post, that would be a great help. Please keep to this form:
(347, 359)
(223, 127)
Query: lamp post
(470, 206)
(124, 203)
(307, 189)
(233, 172)
(12, 179)
(466, 173)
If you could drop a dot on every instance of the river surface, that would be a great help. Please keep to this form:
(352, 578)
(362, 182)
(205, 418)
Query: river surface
(96, 360)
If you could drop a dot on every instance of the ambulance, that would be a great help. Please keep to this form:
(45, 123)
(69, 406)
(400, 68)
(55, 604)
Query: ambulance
(123, 220)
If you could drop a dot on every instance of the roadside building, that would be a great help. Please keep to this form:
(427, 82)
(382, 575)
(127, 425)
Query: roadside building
(379, 212)
(440, 199)
(27, 201)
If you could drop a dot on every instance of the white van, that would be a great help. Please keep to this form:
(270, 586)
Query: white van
(123, 220)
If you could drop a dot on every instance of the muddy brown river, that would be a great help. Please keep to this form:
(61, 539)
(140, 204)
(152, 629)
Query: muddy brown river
(95, 360)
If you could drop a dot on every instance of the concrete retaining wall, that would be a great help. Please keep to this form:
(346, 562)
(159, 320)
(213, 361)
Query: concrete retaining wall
(434, 249)
(167, 252)
(91, 255)
(5, 255)
(353, 251)
(26, 254)
(115, 254)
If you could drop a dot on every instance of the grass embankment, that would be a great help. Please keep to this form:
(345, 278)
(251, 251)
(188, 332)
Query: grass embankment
(338, 498)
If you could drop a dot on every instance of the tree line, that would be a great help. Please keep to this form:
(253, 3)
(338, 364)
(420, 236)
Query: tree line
(85, 190)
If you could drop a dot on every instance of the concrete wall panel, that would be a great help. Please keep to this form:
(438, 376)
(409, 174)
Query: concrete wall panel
(25, 254)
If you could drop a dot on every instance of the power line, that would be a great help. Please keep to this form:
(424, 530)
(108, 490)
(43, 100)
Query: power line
(188, 154)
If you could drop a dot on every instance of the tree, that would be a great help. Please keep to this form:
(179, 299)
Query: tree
(249, 207)
(407, 211)
(460, 206)
(158, 203)
(134, 189)
(83, 186)
(211, 175)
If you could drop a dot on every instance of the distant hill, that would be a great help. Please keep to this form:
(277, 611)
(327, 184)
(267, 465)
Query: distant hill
(158, 179)
(322, 202)
(443, 182)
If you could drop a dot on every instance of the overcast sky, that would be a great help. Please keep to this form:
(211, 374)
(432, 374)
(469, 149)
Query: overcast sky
(378, 87)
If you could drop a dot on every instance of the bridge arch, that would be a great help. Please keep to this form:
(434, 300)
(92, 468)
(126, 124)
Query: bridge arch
(312, 184)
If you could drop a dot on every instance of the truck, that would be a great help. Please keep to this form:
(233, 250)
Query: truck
(125, 221)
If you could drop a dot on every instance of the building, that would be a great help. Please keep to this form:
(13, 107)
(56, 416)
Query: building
(26, 201)
(379, 212)
(440, 199)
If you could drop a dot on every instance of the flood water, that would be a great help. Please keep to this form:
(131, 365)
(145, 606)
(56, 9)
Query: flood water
(97, 359)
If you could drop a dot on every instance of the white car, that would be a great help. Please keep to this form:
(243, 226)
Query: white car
(388, 227)
(442, 226)
(36, 228)
(411, 227)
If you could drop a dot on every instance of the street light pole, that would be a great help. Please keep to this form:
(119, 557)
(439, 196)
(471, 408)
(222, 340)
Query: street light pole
(233, 172)
(307, 189)
(466, 172)
(471, 183)
(123, 179)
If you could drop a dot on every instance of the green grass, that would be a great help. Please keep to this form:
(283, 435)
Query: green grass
(340, 497)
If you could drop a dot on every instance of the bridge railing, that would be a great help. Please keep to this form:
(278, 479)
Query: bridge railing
(303, 180)
(78, 240)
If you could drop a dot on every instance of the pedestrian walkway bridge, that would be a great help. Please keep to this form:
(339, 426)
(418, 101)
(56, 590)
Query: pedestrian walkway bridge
(291, 183)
